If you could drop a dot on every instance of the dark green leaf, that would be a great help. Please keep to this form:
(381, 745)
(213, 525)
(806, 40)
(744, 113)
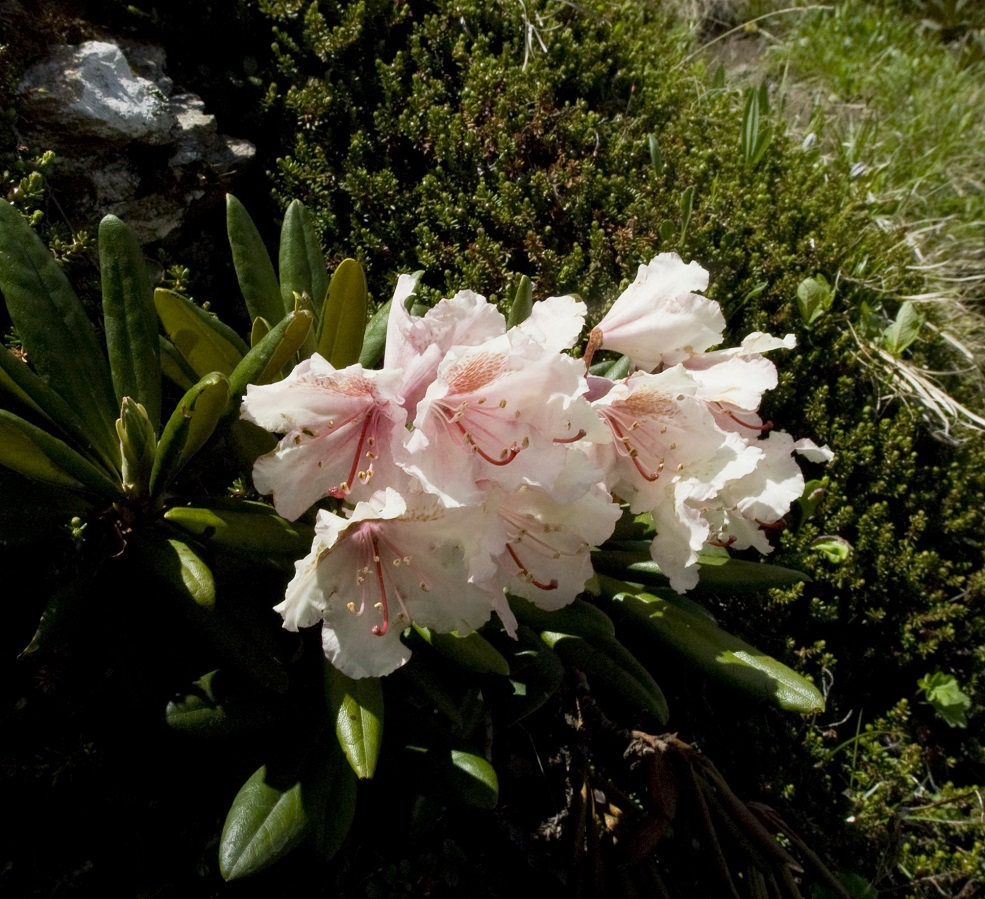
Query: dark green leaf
(713, 651)
(523, 303)
(254, 269)
(578, 617)
(718, 572)
(264, 362)
(628, 685)
(130, 319)
(357, 707)
(176, 564)
(204, 342)
(191, 424)
(374, 339)
(536, 673)
(472, 651)
(28, 449)
(174, 367)
(343, 320)
(18, 381)
(264, 824)
(455, 774)
(215, 708)
(60, 341)
(302, 265)
(247, 527)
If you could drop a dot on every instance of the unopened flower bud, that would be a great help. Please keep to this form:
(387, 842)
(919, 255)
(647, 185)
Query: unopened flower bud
(138, 444)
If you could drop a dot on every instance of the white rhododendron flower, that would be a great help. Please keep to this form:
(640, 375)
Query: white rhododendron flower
(337, 428)
(496, 412)
(397, 559)
(661, 319)
(481, 462)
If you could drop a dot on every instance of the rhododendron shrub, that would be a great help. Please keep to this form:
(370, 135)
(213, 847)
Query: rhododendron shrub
(482, 461)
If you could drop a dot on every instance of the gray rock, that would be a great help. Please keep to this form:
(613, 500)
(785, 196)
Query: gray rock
(123, 144)
(90, 90)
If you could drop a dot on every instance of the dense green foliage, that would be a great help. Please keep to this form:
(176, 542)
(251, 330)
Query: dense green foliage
(479, 141)
(446, 137)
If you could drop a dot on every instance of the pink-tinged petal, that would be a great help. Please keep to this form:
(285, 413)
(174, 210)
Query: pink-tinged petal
(555, 323)
(812, 452)
(505, 412)
(662, 433)
(681, 533)
(338, 427)
(541, 548)
(660, 319)
(762, 498)
(738, 376)
(396, 560)
(417, 344)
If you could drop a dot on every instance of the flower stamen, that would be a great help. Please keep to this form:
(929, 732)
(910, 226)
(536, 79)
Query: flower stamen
(765, 426)
(506, 456)
(382, 604)
(551, 586)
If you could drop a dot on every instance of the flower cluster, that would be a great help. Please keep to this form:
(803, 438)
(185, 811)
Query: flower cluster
(480, 460)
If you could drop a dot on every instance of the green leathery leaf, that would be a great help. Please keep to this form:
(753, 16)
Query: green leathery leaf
(716, 652)
(716, 572)
(476, 779)
(302, 265)
(198, 711)
(263, 363)
(471, 651)
(260, 329)
(619, 369)
(189, 427)
(430, 690)
(18, 381)
(343, 318)
(456, 774)
(130, 319)
(632, 666)
(177, 564)
(264, 823)
(254, 268)
(579, 617)
(59, 339)
(34, 452)
(248, 527)
(173, 365)
(523, 303)
(334, 805)
(608, 673)
(32, 510)
(204, 342)
(357, 707)
(374, 338)
(276, 809)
